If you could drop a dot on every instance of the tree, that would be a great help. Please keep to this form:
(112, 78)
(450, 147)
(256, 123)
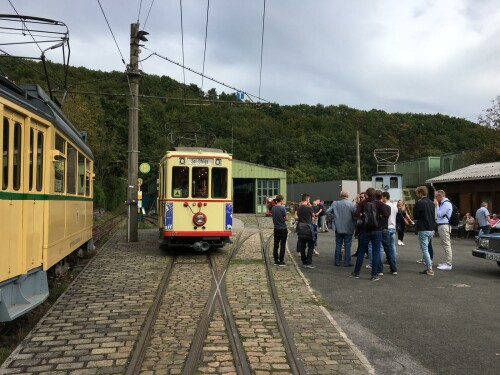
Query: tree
(491, 118)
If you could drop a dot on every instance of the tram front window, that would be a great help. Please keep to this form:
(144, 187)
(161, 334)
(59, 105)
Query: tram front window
(200, 182)
(180, 182)
(219, 183)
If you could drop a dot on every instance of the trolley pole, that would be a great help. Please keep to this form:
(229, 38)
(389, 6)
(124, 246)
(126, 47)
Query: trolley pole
(133, 135)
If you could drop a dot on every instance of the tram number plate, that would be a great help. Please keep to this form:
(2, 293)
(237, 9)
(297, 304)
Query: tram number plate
(198, 161)
(491, 256)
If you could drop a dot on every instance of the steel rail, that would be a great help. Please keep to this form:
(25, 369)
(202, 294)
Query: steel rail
(218, 292)
(135, 364)
(294, 359)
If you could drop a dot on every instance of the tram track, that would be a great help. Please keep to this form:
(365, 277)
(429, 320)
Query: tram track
(294, 360)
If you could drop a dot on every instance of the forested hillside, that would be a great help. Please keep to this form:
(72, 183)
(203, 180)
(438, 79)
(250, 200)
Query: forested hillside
(316, 143)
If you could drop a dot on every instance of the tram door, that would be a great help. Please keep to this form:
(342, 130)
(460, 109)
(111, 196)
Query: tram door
(33, 209)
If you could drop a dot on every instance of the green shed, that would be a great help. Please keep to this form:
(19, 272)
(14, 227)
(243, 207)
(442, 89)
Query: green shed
(253, 183)
(416, 172)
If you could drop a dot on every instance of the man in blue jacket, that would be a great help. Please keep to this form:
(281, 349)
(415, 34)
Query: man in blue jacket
(444, 210)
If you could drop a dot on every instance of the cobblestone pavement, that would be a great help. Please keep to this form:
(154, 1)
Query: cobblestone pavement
(93, 327)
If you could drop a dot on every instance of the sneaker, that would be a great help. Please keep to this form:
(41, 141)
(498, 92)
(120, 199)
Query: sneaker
(399, 242)
(375, 278)
(421, 261)
(380, 274)
(276, 263)
(354, 275)
(394, 273)
(315, 252)
(368, 266)
(427, 272)
(402, 243)
(310, 266)
(444, 267)
(281, 264)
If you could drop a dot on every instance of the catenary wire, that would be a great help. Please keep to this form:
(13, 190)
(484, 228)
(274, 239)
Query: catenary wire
(112, 34)
(139, 14)
(149, 11)
(205, 50)
(205, 76)
(262, 45)
(182, 42)
(29, 31)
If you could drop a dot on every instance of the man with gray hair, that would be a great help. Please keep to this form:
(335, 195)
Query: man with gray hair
(444, 210)
(341, 214)
(483, 219)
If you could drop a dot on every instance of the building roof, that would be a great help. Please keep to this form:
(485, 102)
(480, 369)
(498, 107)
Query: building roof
(472, 172)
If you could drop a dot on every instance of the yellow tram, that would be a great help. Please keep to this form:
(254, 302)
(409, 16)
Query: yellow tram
(45, 195)
(195, 204)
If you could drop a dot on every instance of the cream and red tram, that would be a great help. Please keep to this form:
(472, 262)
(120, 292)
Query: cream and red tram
(45, 195)
(195, 197)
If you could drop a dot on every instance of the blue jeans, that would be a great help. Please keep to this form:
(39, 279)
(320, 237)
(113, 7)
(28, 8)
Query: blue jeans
(484, 230)
(424, 237)
(346, 239)
(389, 249)
(375, 238)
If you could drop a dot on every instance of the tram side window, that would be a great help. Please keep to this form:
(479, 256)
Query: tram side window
(200, 182)
(81, 174)
(219, 182)
(39, 161)
(379, 183)
(5, 154)
(88, 176)
(59, 165)
(71, 170)
(31, 166)
(16, 171)
(180, 182)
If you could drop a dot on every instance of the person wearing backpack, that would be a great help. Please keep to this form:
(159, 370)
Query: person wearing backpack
(444, 211)
(371, 211)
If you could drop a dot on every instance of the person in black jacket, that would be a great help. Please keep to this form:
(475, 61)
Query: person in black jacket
(424, 213)
(370, 234)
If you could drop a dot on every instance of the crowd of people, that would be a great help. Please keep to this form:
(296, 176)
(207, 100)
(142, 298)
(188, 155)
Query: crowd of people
(376, 222)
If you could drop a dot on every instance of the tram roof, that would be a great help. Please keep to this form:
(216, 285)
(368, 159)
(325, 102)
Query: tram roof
(33, 98)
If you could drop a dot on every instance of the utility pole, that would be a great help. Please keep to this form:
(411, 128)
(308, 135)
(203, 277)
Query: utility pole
(358, 162)
(134, 75)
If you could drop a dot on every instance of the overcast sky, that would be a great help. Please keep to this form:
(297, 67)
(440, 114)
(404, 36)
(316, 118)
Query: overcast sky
(398, 56)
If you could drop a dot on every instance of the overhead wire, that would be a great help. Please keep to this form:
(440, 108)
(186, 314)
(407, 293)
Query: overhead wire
(112, 34)
(182, 41)
(205, 50)
(149, 11)
(204, 75)
(29, 31)
(262, 45)
(139, 14)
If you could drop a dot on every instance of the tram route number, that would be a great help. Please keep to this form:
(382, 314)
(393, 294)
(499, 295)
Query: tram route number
(199, 161)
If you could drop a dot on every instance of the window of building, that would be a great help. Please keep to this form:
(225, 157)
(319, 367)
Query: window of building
(180, 182)
(16, 165)
(393, 183)
(219, 182)
(379, 183)
(5, 154)
(39, 161)
(59, 165)
(266, 188)
(200, 182)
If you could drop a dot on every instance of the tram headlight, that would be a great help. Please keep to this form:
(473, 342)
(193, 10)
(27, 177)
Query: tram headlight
(199, 219)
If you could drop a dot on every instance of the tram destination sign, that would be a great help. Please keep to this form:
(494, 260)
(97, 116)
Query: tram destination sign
(199, 161)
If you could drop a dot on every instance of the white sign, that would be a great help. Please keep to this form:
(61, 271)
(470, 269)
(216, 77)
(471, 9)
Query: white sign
(198, 161)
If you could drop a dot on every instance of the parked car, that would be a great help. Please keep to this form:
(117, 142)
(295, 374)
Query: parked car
(488, 247)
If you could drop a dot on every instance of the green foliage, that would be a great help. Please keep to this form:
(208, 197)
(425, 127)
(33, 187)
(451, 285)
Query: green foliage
(99, 196)
(313, 143)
